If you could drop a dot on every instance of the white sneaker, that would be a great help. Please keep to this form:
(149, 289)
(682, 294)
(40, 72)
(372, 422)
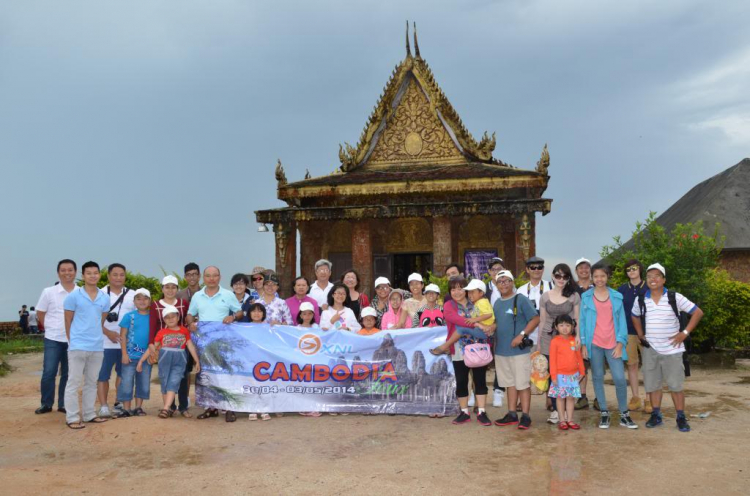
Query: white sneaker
(104, 412)
(553, 418)
(471, 399)
(497, 398)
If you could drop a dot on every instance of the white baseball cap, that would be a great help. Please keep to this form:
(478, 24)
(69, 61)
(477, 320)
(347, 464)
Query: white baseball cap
(505, 273)
(306, 306)
(369, 312)
(142, 291)
(415, 277)
(582, 260)
(382, 280)
(170, 280)
(169, 309)
(476, 284)
(659, 267)
(432, 287)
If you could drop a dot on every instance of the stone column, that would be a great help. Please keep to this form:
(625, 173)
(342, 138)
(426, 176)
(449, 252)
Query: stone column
(362, 254)
(286, 255)
(442, 243)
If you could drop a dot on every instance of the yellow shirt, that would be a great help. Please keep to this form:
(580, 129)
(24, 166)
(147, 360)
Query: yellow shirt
(483, 307)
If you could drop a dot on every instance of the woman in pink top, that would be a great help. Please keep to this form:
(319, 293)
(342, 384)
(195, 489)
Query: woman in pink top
(604, 335)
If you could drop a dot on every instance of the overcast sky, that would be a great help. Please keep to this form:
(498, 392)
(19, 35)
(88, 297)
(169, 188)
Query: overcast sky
(147, 132)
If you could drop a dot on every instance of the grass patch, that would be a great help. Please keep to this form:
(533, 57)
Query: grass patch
(21, 345)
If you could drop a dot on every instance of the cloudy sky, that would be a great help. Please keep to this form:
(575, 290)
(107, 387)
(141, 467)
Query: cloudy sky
(146, 132)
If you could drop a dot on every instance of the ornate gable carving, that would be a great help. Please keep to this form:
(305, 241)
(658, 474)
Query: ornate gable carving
(414, 133)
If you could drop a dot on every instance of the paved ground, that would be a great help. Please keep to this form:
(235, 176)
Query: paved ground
(368, 455)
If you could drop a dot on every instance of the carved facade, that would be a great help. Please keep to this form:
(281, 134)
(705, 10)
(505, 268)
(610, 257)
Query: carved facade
(417, 191)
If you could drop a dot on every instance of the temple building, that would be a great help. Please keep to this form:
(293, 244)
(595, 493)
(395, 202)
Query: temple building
(416, 193)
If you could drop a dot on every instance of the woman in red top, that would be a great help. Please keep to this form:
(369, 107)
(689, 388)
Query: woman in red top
(565, 370)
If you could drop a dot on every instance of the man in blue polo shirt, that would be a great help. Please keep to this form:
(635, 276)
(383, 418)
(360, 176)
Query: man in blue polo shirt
(662, 340)
(212, 304)
(86, 309)
(630, 291)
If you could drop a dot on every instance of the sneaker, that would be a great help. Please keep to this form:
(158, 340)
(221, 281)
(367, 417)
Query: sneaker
(117, 408)
(647, 408)
(462, 418)
(654, 420)
(553, 418)
(596, 405)
(604, 420)
(626, 421)
(497, 398)
(582, 403)
(509, 419)
(472, 401)
(682, 424)
(104, 412)
(525, 422)
(634, 404)
(483, 419)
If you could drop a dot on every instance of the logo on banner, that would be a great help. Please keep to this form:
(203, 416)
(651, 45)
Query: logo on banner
(309, 344)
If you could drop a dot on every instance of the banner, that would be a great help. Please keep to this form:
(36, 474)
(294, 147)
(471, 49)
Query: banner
(262, 368)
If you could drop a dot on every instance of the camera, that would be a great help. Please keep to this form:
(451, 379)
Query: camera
(112, 317)
(525, 343)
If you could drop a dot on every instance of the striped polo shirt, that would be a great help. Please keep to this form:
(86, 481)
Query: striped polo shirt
(662, 323)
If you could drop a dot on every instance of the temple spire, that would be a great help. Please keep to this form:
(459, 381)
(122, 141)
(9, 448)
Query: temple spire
(416, 44)
(408, 49)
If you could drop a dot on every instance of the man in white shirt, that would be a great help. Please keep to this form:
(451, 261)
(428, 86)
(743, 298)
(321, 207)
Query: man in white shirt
(121, 301)
(536, 286)
(51, 316)
(33, 321)
(322, 285)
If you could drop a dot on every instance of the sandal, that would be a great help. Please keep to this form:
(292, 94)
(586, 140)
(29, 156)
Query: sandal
(97, 420)
(164, 414)
(438, 351)
(310, 414)
(138, 412)
(230, 416)
(574, 426)
(123, 414)
(186, 414)
(279, 414)
(563, 426)
(252, 416)
(76, 426)
(265, 416)
(208, 413)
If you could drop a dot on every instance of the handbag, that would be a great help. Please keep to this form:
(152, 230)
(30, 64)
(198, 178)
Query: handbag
(477, 355)
(539, 373)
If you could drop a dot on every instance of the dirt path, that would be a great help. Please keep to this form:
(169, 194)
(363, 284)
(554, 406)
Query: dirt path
(385, 455)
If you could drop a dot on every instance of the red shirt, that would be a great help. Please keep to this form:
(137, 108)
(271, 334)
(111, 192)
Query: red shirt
(157, 322)
(564, 357)
(169, 338)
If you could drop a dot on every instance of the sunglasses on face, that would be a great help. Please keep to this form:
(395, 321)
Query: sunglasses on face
(256, 279)
(634, 268)
(561, 277)
(536, 267)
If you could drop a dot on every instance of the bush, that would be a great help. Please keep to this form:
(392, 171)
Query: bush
(134, 280)
(691, 258)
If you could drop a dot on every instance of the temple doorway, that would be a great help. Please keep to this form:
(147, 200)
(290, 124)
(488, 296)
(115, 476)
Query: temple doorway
(408, 263)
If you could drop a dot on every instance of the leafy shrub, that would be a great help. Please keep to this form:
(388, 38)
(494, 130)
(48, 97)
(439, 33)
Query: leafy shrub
(135, 280)
(727, 312)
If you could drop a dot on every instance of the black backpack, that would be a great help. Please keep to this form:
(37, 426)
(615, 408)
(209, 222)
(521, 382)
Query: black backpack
(681, 316)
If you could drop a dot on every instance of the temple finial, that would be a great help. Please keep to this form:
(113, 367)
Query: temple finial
(408, 49)
(416, 44)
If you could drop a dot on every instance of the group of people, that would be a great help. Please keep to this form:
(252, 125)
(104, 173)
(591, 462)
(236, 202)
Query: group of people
(27, 320)
(576, 323)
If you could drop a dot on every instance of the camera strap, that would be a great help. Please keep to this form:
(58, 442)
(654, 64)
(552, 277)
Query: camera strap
(119, 300)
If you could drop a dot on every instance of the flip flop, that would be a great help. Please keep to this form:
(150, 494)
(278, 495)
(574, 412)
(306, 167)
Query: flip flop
(97, 420)
(76, 426)
(138, 412)
(438, 352)
(211, 412)
(186, 414)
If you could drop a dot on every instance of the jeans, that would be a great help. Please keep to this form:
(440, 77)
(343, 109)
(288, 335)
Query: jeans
(55, 357)
(184, 391)
(141, 381)
(84, 370)
(617, 368)
(172, 364)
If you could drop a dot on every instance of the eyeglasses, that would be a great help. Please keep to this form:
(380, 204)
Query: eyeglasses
(561, 277)
(634, 268)
(504, 281)
(536, 267)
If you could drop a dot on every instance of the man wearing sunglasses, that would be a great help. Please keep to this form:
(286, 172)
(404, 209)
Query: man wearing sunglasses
(536, 286)
(256, 283)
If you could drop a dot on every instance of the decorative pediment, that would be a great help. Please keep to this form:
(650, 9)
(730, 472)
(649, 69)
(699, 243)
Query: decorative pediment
(414, 122)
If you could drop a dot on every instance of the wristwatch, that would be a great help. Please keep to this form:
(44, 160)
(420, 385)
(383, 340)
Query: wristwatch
(685, 332)
(523, 334)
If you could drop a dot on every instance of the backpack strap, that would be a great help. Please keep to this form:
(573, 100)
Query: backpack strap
(672, 298)
(642, 307)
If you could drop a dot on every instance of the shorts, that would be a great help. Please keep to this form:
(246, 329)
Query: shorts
(633, 347)
(131, 379)
(658, 368)
(172, 364)
(513, 371)
(112, 357)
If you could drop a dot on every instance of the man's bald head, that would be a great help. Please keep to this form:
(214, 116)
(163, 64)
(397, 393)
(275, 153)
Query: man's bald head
(212, 269)
(211, 277)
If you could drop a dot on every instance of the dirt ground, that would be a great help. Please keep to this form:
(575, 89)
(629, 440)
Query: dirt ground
(375, 454)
